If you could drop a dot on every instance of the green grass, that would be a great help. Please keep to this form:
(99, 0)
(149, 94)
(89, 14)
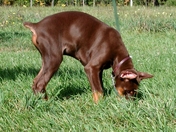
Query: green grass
(149, 35)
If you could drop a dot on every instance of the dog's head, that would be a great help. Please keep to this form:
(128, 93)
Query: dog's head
(127, 82)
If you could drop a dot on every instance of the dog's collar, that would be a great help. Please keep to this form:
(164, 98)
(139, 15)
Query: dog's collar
(119, 64)
(115, 70)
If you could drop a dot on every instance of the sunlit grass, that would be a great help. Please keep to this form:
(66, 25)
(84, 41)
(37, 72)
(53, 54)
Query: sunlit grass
(70, 106)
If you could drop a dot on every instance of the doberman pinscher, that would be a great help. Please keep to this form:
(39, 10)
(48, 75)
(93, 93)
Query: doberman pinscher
(96, 45)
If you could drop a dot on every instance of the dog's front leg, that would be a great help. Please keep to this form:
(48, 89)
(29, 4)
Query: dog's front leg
(94, 75)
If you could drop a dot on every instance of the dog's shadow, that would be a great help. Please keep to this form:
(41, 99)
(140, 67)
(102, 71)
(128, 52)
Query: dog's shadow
(139, 96)
(71, 92)
(14, 73)
(65, 93)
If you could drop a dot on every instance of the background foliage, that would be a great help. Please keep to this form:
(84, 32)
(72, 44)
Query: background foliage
(84, 2)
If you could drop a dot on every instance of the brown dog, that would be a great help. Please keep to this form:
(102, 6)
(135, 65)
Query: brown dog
(96, 45)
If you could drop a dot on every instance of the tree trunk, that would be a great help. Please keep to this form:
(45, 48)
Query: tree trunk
(155, 3)
(93, 3)
(30, 3)
(83, 3)
(131, 3)
(146, 3)
(52, 3)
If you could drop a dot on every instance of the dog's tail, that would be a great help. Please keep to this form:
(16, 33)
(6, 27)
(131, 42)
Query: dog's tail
(31, 26)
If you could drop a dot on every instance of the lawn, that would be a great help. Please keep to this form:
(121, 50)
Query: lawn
(149, 35)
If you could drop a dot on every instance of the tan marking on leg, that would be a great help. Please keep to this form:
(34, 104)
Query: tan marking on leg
(96, 96)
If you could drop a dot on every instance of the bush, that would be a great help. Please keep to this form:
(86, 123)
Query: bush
(79, 2)
(170, 3)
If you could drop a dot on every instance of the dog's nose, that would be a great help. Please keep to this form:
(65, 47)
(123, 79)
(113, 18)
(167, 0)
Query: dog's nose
(130, 94)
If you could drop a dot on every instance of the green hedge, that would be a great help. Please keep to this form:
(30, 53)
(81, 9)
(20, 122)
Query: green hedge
(80, 2)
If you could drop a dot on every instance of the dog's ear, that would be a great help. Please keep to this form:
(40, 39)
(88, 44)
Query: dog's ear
(129, 74)
(132, 74)
(143, 75)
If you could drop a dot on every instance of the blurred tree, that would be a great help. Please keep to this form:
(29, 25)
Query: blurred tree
(30, 3)
(52, 3)
(86, 2)
(154, 2)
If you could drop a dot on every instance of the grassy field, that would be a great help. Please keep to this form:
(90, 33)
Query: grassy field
(149, 35)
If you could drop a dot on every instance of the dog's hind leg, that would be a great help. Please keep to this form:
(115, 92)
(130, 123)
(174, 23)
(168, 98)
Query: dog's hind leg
(50, 64)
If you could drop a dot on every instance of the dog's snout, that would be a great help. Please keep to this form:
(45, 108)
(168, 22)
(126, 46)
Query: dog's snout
(130, 94)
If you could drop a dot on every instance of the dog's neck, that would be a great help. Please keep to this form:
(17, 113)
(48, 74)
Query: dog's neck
(122, 64)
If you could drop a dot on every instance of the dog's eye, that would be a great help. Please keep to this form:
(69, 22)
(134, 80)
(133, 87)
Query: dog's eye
(121, 79)
(124, 79)
(135, 81)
